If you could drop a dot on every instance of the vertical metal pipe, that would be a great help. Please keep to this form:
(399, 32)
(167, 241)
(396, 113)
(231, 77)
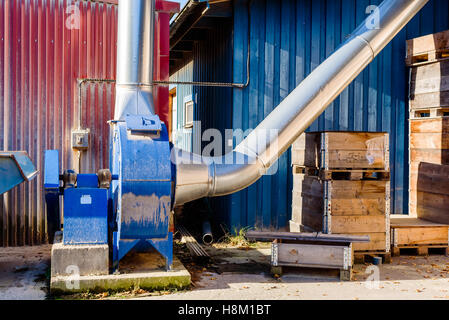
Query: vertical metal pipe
(215, 176)
(135, 47)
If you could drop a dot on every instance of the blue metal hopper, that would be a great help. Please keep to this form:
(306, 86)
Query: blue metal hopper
(15, 168)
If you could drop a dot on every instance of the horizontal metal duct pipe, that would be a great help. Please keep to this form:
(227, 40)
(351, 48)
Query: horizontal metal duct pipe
(216, 176)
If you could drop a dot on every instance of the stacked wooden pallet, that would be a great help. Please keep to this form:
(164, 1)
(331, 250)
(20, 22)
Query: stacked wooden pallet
(341, 185)
(427, 227)
(428, 59)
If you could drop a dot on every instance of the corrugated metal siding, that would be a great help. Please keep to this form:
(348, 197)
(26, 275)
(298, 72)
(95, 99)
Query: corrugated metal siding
(40, 61)
(211, 60)
(289, 39)
(184, 136)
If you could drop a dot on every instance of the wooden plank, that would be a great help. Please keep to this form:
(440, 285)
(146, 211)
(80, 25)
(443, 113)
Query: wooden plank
(357, 224)
(300, 236)
(433, 178)
(428, 78)
(324, 256)
(346, 189)
(429, 100)
(312, 219)
(359, 207)
(361, 198)
(438, 125)
(433, 207)
(378, 242)
(355, 141)
(355, 159)
(430, 155)
(354, 150)
(430, 42)
(429, 141)
(307, 202)
(420, 236)
(333, 150)
(308, 184)
(306, 150)
(427, 48)
(414, 222)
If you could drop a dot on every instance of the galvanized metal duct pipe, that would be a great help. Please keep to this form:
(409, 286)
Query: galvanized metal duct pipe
(135, 42)
(216, 176)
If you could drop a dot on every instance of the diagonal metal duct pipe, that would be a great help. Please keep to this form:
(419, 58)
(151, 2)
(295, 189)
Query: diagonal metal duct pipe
(135, 42)
(198, 177)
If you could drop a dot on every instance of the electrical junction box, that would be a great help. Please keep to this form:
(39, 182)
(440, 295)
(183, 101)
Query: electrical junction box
(80, 139)
(85, 216)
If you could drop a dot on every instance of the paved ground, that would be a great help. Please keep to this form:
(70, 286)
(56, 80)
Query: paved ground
(23, 272)
(243, 274)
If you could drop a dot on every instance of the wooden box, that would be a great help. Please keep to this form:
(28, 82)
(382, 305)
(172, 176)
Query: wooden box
(429, 122)
(428, 58)
(329, 256)
(359, 207)
(407, 232)
(430, 227)
(342, 150)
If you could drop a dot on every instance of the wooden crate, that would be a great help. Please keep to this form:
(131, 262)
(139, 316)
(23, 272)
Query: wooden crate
(432, 202)
(429, 143)
(360, 207)
(327, 256)
(342, 150)
(428, 57)
(426, 49)
(420, 234)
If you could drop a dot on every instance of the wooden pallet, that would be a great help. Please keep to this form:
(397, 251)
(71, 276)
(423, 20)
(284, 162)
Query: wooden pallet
(419, 235)
(342, 173)
(429, 113)
(420, 250)
(361, 257)
(428, 49)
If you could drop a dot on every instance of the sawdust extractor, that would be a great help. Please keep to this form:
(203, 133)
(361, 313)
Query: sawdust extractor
(129, 205)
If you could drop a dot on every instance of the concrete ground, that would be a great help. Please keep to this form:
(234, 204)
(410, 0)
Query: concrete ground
(23, 272)
(235, 274)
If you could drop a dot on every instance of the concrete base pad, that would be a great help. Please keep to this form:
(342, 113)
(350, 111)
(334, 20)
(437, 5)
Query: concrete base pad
(137, 270)
(82, 259)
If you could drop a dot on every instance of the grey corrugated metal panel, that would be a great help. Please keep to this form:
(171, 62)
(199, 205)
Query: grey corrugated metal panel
(375, 101)
(211, 60)
(182, 91)
(39, 68)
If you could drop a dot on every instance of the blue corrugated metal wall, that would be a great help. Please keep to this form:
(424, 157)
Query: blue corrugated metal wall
(288, 39)
(211, 60)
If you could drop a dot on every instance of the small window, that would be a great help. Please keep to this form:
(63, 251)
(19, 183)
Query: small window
(188, 114)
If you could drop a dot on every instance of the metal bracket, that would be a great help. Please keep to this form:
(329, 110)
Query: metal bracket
(274, 254)
(145, 123)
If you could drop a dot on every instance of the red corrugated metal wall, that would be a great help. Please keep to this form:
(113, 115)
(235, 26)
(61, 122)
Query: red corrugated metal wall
(46, 45)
